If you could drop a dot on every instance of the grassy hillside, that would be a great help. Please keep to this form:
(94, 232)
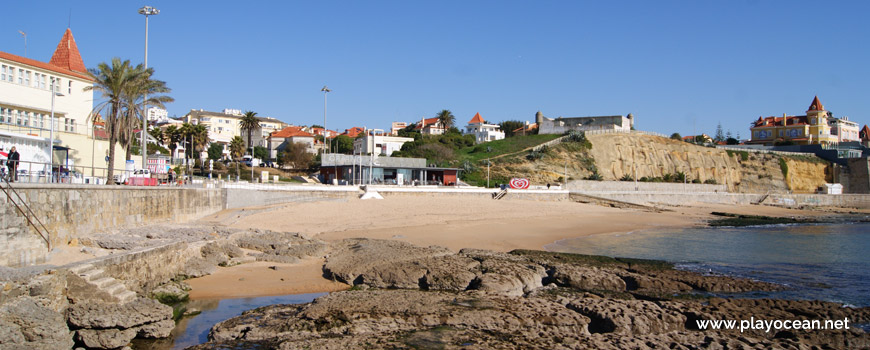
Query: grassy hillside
(498, 148)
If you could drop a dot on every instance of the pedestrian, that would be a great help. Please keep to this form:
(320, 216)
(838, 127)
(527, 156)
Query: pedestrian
(12, 164)
(548, 186)
(171, 177)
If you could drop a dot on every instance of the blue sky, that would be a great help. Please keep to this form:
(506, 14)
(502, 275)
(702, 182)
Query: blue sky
(676, 65)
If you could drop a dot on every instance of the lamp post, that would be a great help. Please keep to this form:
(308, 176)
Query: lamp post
(51, 133)
(147, 11)
(323, 154)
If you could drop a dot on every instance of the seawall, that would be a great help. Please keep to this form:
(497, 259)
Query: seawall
(73, 211)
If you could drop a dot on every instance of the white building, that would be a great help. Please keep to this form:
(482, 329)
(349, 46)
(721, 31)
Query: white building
(157, 115)
(396, 126)
(26, 105)
(378, 143)
(278, 141)
(223, 127)
(482, 131)
(845, 129)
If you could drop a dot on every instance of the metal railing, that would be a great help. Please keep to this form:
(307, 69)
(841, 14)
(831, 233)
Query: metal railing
(37, 172)
(26, 212)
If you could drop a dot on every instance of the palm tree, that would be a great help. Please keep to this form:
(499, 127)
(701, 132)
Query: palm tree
(137, 105)
(185, 131)
(111, 81)
(237, 148)
(199, 137)
(249, 122)
(157, 134)
(446, 118)
(173, 137)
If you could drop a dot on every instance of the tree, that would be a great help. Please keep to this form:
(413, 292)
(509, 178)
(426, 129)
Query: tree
(215, 151)
(296, 156)
(237, 148)
(173, 137)
(676, 136)
(446, 118)
(508, 126)
(249, 123)
(720, 135)
(343, 144)
(111, 81)
(136, 105)
(732, 141)
(261, 152)
(199, 136)
(317, 126)
(157, 134)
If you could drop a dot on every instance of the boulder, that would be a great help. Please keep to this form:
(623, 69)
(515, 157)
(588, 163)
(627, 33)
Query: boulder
(123, 316)
(26, 324)
(111, 338)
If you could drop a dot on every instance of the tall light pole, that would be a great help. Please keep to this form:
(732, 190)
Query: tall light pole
(25, 41)
(147, 11)
(323, 155)
(51, 133)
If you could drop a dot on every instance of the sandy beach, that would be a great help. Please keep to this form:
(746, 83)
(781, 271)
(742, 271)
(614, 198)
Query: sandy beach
(449, 222)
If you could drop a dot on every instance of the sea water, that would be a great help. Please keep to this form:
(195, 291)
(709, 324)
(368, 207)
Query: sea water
(828, 262)
(193, 330)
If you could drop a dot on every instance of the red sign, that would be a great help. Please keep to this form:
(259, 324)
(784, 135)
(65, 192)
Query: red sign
(519, 183)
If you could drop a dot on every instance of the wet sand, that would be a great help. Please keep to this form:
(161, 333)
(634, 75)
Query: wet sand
(256, 279)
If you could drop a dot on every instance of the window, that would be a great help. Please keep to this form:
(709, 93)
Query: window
(3, 70)
(57, 84)
(18, 117)
(11, 77)
(70, 87)
(69, 125)
(3, 115)
(27, 78)
(20, 76)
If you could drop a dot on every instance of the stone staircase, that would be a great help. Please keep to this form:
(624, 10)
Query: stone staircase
(98, 278)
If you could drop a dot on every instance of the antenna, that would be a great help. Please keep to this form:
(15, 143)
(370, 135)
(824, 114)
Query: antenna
(25, 42)
(69, 19)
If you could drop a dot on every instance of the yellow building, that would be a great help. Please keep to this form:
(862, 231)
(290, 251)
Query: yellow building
(812, 128)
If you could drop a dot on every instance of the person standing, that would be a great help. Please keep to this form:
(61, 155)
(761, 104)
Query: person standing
(12, 164)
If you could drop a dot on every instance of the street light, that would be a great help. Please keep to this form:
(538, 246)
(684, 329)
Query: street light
(147, 11)
(325, 91)
(51, 133)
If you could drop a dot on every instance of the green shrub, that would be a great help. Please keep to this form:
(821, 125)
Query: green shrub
(710, 181)
(783, 165)
(626, 177)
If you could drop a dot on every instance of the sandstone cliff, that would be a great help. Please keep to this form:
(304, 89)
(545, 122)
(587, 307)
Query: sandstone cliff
(617, 156)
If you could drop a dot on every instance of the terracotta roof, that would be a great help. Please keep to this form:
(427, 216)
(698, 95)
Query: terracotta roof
(780, 121)
(291, 131)
(67, 54)
(477, 119)
(43, 65)
(426, 122)
(865, 132)
(319, 131)
(353, 132)
(816, 105)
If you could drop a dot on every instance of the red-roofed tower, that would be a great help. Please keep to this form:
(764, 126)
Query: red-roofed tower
(67, 54)
(476, 120)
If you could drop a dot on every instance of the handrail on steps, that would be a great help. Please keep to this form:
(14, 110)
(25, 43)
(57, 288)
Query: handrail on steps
(6, 189)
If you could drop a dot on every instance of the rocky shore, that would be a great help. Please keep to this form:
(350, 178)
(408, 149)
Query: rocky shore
(404, 297)
(409, 297)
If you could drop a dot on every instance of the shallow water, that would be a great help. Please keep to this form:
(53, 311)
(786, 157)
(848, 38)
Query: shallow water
(827, 261)
(194, 330)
